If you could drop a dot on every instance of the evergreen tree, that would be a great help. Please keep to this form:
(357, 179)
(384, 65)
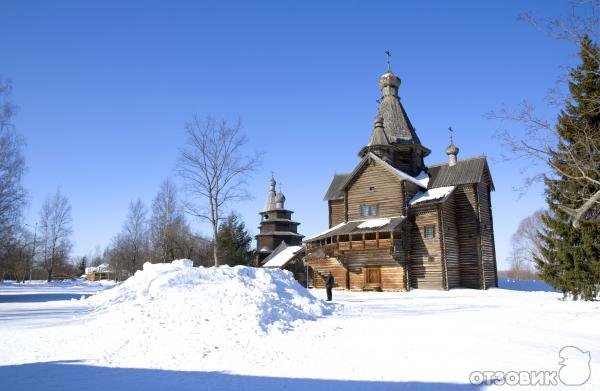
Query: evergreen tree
(234, 242)
(82, 266)
(570, 257)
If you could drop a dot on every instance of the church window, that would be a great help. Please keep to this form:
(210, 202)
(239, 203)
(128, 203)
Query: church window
(369, 210)
(430, 231)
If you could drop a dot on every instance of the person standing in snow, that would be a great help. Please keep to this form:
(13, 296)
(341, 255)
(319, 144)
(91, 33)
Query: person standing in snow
(329, 285)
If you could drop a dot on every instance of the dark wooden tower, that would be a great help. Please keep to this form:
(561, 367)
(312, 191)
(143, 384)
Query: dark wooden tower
(276, 225)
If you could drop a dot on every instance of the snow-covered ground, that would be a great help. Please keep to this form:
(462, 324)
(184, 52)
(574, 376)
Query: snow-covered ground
(246, 329)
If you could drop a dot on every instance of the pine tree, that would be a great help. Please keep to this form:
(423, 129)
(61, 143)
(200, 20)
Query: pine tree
(570, 257)
(234, 242)
(82, 266)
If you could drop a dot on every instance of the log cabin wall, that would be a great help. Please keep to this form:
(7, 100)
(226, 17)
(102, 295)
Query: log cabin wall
(409, 190)
(356, 280)
(336, 212)
(392, 278)
(375, 186)
(450, 242)
(488, 252)
(320, 268)
(425, 254)
(467, 224)
(357, 258)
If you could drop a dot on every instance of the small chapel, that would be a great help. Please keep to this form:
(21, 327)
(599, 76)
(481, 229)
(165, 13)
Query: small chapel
(277, 230)
(396, 223)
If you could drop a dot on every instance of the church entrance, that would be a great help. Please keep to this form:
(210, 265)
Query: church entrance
(373, 278)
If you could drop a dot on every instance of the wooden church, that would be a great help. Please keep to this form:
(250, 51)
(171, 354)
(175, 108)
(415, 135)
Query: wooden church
(276, 226)
(396, 223)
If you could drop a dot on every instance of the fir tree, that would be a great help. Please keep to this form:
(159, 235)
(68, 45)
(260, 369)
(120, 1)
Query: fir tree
(82, 266)
(570, 257)
(234, 242)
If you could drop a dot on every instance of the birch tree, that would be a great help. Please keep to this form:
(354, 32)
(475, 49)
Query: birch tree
(215, 170)
(56, 229)
(12, 167)
(135, 234)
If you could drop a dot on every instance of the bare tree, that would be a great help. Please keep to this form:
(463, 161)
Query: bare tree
(12, 167)
(167, 222)
(215, 170)
(528, 235)
(55, 225)
(580, 160)
(525, 246)
(135, 233)
(519, 266)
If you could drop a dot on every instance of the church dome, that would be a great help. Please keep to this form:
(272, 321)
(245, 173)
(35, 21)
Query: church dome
(388, 79)
(452, 149)
(280, 197)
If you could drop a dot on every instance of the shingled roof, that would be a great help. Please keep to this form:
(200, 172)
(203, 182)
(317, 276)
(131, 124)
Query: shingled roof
(471, 170)
(335, 188)
(396, 124)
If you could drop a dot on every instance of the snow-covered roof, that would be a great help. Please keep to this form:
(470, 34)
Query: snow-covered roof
(399, 173)
(423, 179)
(103, 268)
(373, 223)
(361, 226)
(431, 194)
(326, 231)
(283, 257)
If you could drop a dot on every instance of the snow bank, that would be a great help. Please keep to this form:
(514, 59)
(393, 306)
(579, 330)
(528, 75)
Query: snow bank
(175, 314)
(261, 298)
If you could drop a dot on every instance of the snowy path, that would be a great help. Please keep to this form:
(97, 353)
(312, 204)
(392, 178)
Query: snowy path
(421, 340)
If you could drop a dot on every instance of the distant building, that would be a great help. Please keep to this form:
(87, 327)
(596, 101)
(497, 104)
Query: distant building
(276, 225)
(396, 223)
(100, 272)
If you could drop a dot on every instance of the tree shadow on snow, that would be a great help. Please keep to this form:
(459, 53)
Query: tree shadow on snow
(72, 375)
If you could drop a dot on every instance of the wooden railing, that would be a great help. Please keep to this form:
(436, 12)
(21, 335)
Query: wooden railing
(337, 247)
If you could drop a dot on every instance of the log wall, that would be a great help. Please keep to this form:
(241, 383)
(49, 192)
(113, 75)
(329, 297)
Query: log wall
(488, 250)
(356, 280)
(450, 242)
(336, 212)
(467, 223)
(423, 272)
(319, 269)
(356, 258)
(375, 186)
(392, 278)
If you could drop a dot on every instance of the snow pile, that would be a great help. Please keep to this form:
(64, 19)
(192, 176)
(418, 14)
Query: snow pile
(169, 315)
(431, 194)
(373, 223)
(263, 298)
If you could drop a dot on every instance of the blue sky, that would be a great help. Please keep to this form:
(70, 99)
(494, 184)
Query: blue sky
(105, 89)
